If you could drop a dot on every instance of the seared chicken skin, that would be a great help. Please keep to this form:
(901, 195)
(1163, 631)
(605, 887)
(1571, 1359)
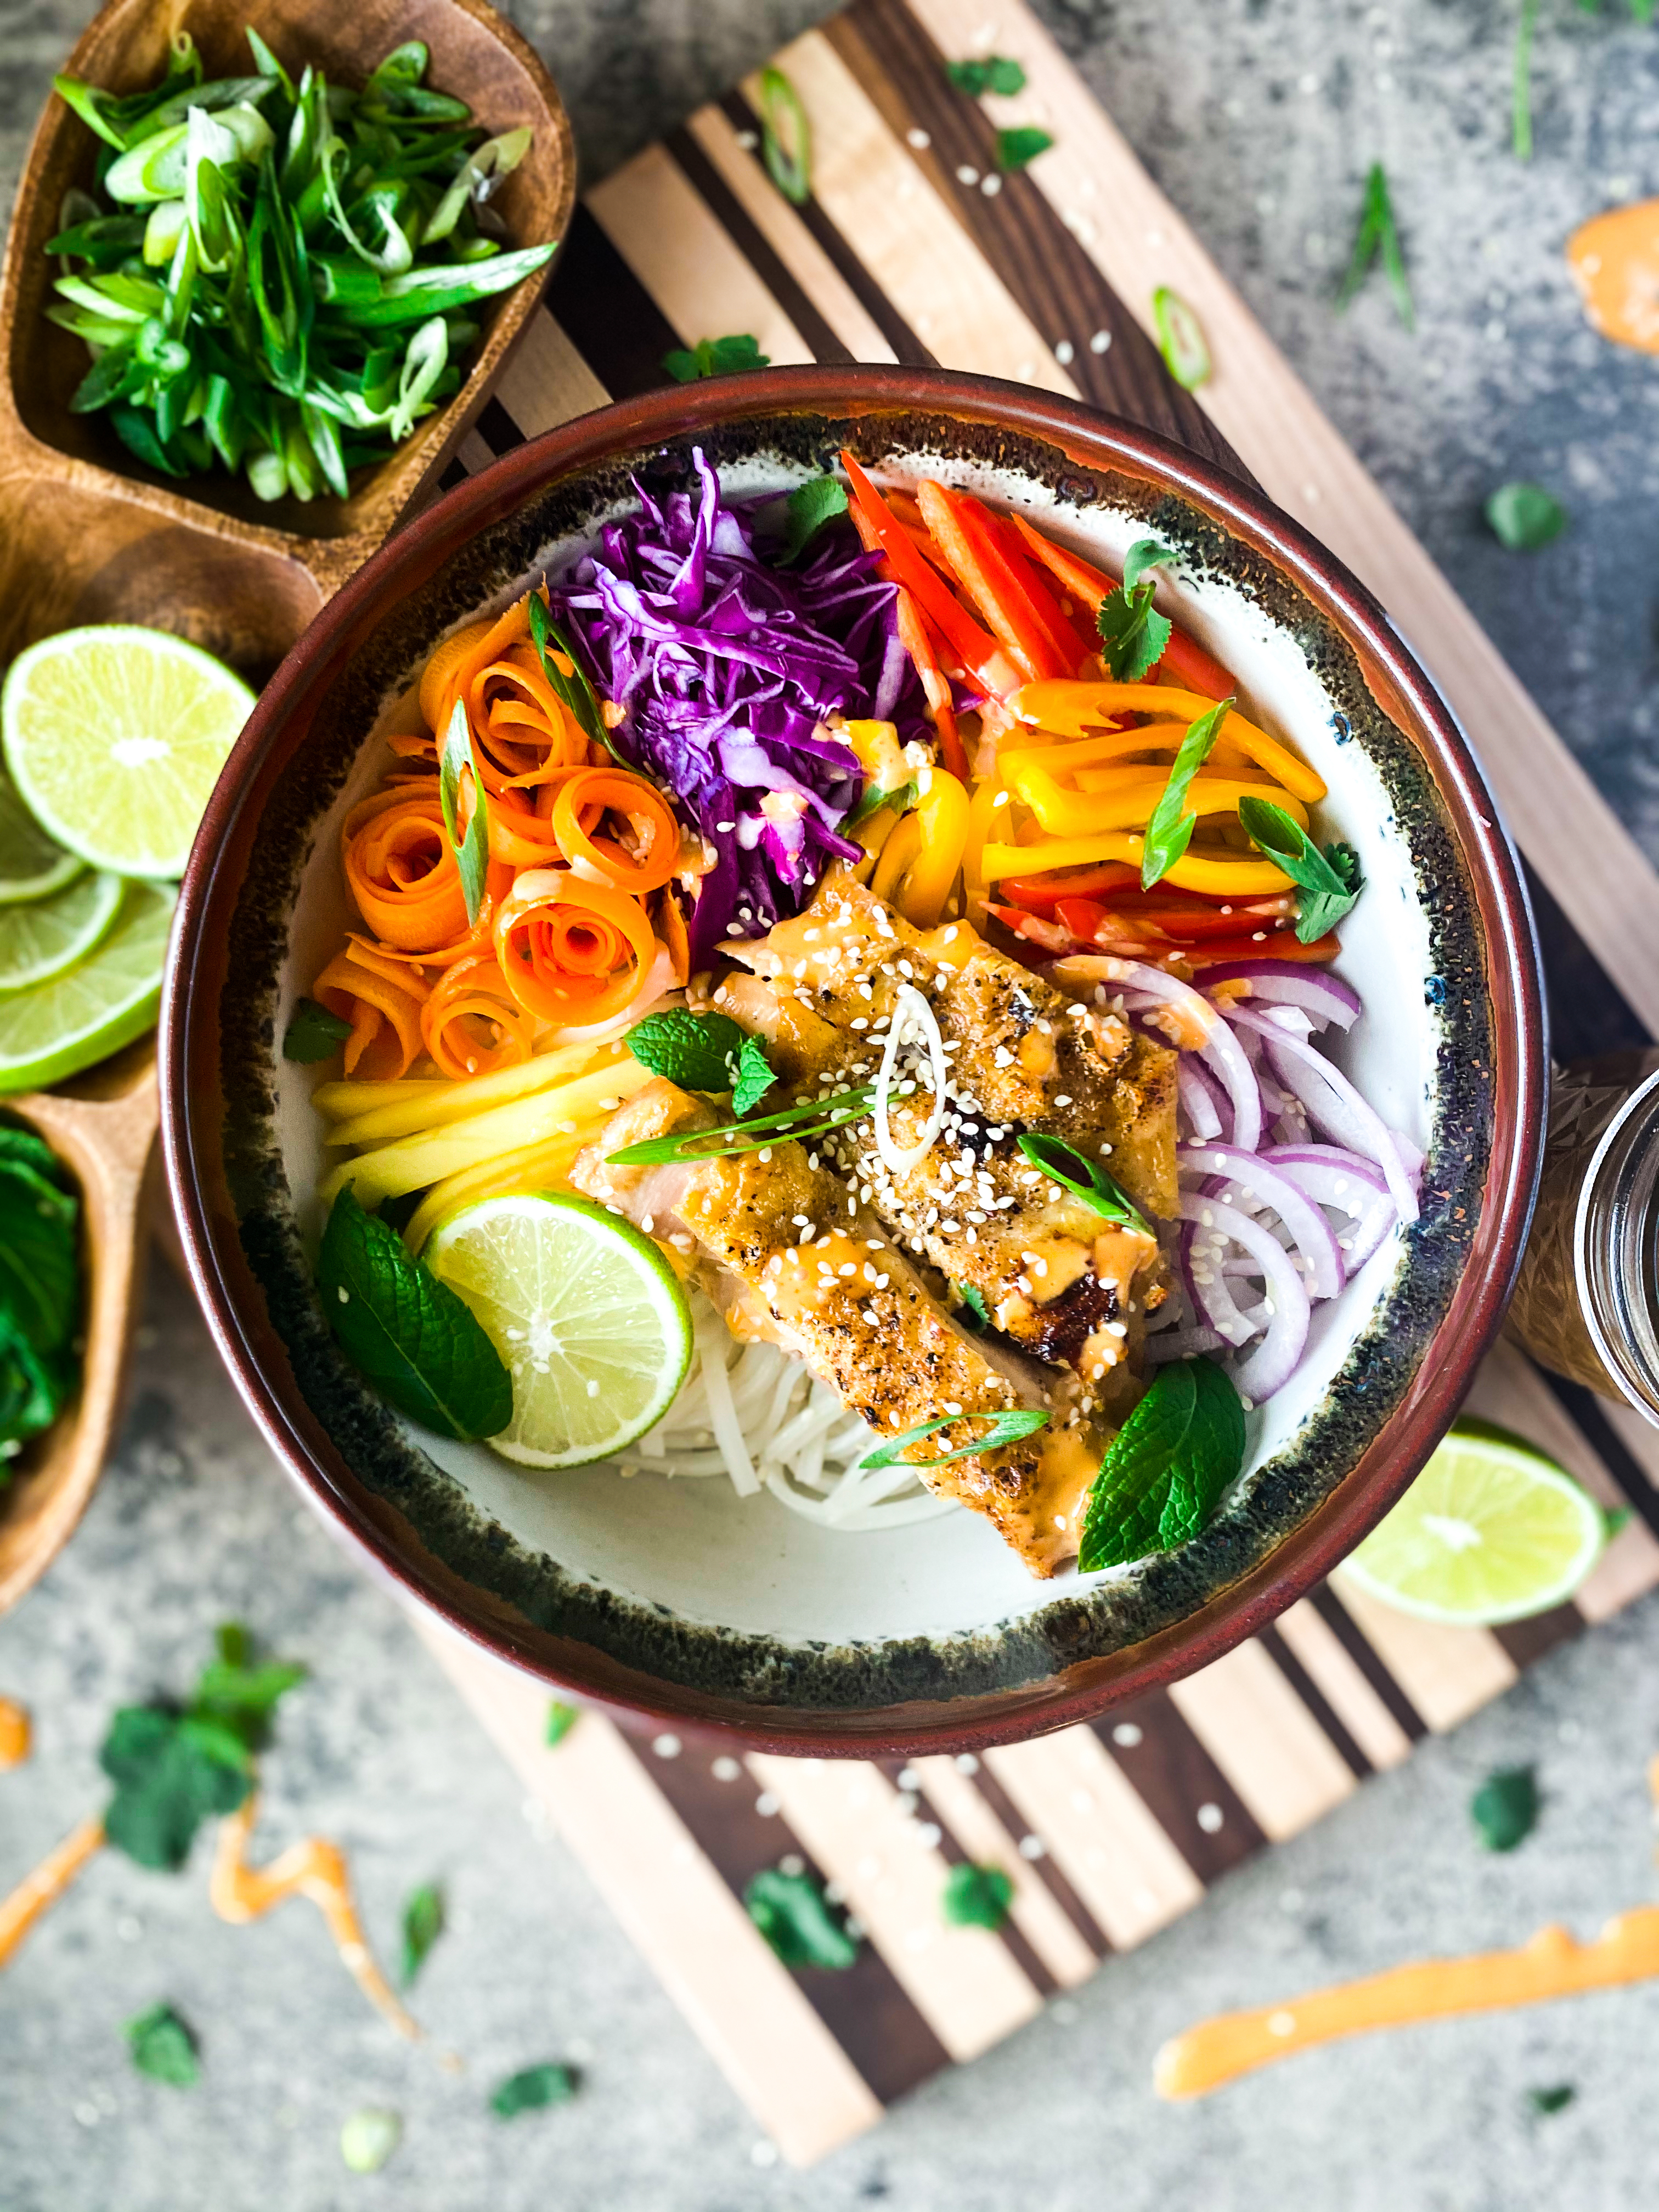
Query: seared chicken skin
(788, 1254)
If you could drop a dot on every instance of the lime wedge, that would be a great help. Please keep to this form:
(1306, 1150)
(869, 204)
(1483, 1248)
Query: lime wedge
(31, 866)
(587, 1313)
(1490, 1531)
(41, 938)
(93, 1009)
(115, 737)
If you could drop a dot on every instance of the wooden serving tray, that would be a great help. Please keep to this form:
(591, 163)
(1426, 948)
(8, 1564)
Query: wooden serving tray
(913, 249)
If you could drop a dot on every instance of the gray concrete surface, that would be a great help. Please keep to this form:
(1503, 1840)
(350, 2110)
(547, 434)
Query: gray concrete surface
(1259, 119)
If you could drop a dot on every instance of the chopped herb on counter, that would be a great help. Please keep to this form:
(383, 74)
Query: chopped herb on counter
(715, 357)
(1378, 235)
(1017, 149)
(1523, 518)
(1553, 2099)
(560, 1719)
(797, 1920)
(977, 1896)
(163, 2047)
(369, 2138)
(423, 1923)
(785, 138)
(1181, 339)
(1504, 1808)
(532, 2089)
(1167, 1468)
(1132, 634)
(994, 73)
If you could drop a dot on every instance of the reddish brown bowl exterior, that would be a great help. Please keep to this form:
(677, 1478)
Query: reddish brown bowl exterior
(191, 1102)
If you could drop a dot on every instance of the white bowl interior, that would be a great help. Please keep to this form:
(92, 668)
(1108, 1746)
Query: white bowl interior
(752, 1564)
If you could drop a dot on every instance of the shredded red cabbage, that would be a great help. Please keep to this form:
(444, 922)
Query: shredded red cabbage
(725, 669)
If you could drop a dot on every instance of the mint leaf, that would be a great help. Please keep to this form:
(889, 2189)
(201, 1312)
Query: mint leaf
(1006, 1429)
(1170, 829)
(1330, 882)
(533, 2090)
(1145, 553)
(806, 510)
(419, 1344)
(1377, 234)
(1167, 1468)
(1523, 518)
(977, 1896)
(1132, 634)
(1083, 1177)
(995, 73)
(313, 1034)
(700, 1052)
(754, 1078)
(725, 356)
(792, 1913)
(423, 1923)
(1504, 1808)
(240, 1696)
(1018, 148)
(472, 850)
(1553, 2099)
(573, 691)
(171, 1772)
(560, 1719)
(163, 2047)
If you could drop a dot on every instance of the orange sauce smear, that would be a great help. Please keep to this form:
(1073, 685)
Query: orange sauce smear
(39, 1891)
(15, 1736)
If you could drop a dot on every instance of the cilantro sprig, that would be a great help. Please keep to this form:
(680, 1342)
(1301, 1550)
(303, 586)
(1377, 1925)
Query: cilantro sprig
(792, 1912)
(1167, 1468)
(164, 2046)
(1506, 1807)
(1330, 882)
(1169, 831)
(725, 356)
(988, 73)
(807, 511)
(1018, 146)
(977, 1896)
(314, 1033)
(1132, 634)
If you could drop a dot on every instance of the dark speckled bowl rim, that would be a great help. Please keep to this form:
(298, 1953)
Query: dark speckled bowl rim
(258, 1360)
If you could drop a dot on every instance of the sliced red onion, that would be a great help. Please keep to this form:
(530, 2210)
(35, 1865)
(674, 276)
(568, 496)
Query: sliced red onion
(1181, 1344)
(1274, 1361)
(1325, 997)
(1348, 1184)
(1208, 1295)
(1199, 1027)
(1333, 1104)
(1310, 1233)
(1198, 1099)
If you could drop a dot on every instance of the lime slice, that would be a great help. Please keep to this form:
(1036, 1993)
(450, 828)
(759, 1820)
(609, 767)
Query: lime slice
(587, 1313)
(115, 737)
(31, 866)
(1490, 1531)
(93, 1009)
(45, 936)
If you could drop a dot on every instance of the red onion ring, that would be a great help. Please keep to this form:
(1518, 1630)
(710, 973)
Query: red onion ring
(1335, 1178)
(1197, 1098)
(1333, 1104)
(1275, 1360)
(1310, 1234)
(1325, 997)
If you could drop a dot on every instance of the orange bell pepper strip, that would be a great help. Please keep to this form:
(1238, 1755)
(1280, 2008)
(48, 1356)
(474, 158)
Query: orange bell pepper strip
(912, 634)
(959, 532)
(1188, 664)
(979, 650)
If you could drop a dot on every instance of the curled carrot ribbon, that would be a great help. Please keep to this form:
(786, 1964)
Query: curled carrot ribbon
(382, 1001)
(471, 1025)
(401, 869)
(572, 952)
(602, 859)
(523, 734)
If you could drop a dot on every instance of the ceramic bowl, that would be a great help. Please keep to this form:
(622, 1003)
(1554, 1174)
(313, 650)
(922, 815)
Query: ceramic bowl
(677, 1599)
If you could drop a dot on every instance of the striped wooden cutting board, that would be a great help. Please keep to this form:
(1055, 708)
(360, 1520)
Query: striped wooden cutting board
(914, 247)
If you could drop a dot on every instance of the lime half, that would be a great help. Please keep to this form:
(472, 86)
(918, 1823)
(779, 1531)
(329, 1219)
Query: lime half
(1490, 1531)
(31, 866)
(585, 1312)
(93, 1009)
(42, 937)
(115, 737)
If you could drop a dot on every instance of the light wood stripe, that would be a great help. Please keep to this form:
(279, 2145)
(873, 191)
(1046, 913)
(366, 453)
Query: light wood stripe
(904, 233)
(961, 1980)
(686, 260)
(473, 453)
(770, 2044)
(1447, 1672)
(789, 237)
(1350, 1697)
(547, 382)
(1117, 1858)
(984, 1837)
(1137, 240)
(1264, 1740)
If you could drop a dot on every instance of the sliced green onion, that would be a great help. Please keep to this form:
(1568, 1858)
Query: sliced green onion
(785, 136)
(1181, 339)
(1006, 1429)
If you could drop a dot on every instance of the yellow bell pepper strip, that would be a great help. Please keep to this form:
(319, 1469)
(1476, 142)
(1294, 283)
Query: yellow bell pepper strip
(1076, 710)
(919, 860)
(1215, 877)
(1074, 813)
(977, 649)
(880, 754)
(989, 798)
(893, 862)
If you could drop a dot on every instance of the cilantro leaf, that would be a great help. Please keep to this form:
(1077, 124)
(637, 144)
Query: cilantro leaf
(532, 2089)
(560, 1719)
(806, 510)
(423, 1923)
(700, 1052)
(419, 1344)
(1330, 882)
(171, 1772)
(715, 357)
(163, 2046)
(1523, 518)
(1378, 235)
(1083, 1177)
(977, 1896)
(472, 849)
(974, 1299)
(995, 73)
(1006, 1429)
(1167, 1468)
(1504, 1808)
(793, 1915)
(313, 1034)
(1147, 553)
(754, 1078)
(1019, 147)
(1170, 829)
(240, 1696)
(1133, 632)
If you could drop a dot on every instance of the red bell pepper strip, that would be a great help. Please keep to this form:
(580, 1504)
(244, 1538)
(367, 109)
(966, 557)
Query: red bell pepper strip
(979, 650)
(1188, 664)
(1038, 894)
(1078, 640)
(1277, 944)
(961, 531)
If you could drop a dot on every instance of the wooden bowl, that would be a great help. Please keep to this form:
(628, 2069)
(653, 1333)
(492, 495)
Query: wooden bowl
(91, 535)
(677, 1599)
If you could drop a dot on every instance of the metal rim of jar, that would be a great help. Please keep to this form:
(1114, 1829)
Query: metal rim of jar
(1612, 1233)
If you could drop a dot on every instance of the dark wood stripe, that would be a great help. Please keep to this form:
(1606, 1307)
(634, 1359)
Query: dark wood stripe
(1354, 1640)
(497, 428)
(456, 473)
(606, 313)
(1053, 1875)
(1621, 1463)
(1526, 1641)
(1020, 235)
(907, 346)
(1315, 1699)
(1588, 1014)
(864, 2008)
(1014, 1939)
(756, 249)
(1175, 1776)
